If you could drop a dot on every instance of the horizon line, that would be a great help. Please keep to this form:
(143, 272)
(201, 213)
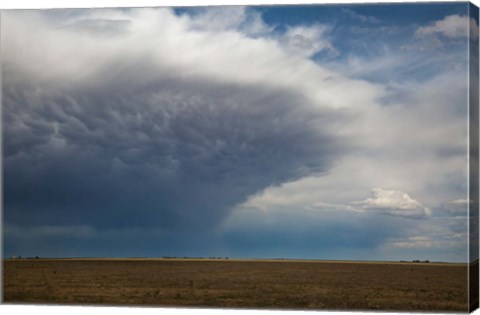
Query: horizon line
(226, 258)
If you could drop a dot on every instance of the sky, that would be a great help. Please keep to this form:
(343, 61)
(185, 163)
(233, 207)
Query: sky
(308, 132)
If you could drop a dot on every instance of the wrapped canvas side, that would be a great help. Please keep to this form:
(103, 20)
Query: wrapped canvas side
(473, 161)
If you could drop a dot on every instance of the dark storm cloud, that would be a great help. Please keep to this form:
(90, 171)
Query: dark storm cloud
(167, 151)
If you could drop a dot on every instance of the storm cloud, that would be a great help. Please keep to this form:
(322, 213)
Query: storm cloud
(138, 144)
(236, 131)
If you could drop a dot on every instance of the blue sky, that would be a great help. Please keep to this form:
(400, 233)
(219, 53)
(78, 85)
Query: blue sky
(319, 132)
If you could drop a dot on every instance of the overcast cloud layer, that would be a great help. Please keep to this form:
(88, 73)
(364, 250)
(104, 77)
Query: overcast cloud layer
(235, 131)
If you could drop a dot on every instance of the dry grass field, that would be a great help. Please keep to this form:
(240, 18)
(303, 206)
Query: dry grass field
(238, 284)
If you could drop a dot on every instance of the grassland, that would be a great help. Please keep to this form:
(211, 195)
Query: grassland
(238, 283)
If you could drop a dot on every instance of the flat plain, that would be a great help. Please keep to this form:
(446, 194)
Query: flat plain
(269, 284)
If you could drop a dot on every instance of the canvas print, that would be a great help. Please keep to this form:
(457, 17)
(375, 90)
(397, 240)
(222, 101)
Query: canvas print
(317, 157)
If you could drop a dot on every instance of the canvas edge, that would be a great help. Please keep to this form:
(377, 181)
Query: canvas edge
(473, 162)
(1, 160)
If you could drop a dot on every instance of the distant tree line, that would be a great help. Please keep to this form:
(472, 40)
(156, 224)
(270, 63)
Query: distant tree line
(20, 257)
(185, 257)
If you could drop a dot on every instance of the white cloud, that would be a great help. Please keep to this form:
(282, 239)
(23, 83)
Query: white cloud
(325, 206)
(394, 202)
(165, 43)
(413, 242)
(452, 26)
(460, 202)
(238, 18)
(360, 17)
(457, 206)
(426, 242)
(307, 41)
(299, 195)
(301, 40)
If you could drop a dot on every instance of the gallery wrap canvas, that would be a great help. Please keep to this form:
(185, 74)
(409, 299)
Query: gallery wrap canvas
(296, 157)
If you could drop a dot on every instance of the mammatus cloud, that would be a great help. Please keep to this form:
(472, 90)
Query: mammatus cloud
(452, 26)
(171, 131)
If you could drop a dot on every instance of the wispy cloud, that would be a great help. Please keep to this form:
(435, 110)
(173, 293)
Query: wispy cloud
(360, 17)
(452, 26)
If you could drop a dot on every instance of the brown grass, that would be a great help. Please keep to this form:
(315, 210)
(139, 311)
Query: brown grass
(236, 283)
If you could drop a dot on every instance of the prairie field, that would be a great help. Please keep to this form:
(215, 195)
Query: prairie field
(232, 283)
